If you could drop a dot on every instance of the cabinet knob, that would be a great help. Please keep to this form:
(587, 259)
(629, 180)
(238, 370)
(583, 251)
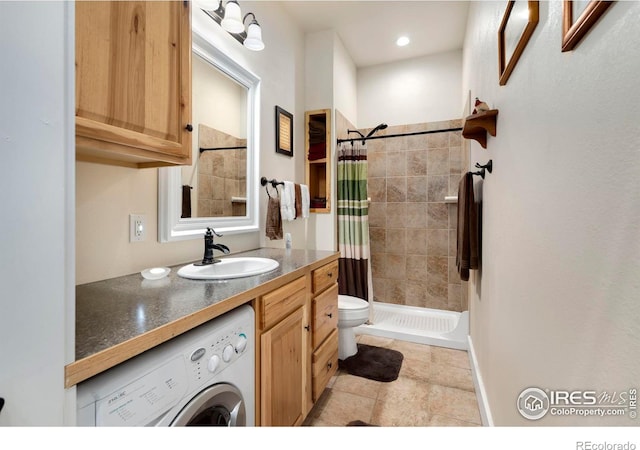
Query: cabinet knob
(330, 315)
(307, 327)
(189, 128)
(330, 274)
(1, 404)
(330, 365)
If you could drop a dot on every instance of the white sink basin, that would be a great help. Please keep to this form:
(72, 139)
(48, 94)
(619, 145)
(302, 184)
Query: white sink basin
(229, 268)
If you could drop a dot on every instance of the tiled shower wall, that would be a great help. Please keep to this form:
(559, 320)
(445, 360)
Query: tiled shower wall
(221, 174)
(412, 229)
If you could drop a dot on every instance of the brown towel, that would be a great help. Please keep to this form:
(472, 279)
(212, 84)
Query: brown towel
(274, 220)
(468, 250)
(186, 201)
(298, 200)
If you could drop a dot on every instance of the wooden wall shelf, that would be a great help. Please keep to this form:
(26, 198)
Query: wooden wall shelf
(318, 169)
(477, 125)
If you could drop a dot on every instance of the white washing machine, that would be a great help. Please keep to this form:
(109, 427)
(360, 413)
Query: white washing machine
(204, 377)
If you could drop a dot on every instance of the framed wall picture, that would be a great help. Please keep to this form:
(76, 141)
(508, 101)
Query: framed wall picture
(284, 132)
(519, 20)
(578, 18)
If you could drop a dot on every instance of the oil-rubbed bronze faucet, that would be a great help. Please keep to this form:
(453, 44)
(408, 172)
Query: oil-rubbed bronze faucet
(210, 246)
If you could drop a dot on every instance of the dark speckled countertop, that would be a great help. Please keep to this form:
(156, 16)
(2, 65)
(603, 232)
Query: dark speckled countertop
(113, 311)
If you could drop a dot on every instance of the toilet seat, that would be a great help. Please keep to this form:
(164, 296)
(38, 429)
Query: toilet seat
(350, 303)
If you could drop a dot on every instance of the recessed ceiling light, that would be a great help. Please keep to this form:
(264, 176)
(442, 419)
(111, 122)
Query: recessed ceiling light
(402, 41)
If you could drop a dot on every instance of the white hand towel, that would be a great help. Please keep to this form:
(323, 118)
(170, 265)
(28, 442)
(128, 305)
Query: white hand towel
(304, 193)
(288, 201)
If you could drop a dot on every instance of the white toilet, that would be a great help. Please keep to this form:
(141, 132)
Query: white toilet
(352, 312)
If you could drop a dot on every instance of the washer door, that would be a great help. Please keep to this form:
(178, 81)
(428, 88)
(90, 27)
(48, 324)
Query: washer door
(220, 405)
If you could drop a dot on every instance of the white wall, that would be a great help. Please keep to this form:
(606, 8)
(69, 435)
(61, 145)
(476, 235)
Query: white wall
(330, 83)
(318, 70)
(556, 302)
(319, 94)
(106, 195)
(417, 90)
(36, 195)
(345, 82)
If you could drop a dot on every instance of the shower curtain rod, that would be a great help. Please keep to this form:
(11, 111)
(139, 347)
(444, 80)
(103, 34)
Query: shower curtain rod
(397, 135)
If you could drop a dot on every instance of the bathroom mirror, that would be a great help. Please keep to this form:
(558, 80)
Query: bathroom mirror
(229, 123)
(215, 185)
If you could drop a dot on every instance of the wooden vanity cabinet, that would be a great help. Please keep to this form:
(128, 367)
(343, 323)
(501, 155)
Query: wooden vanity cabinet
(133, 82)
(297, 346)
(284, 334)
(325, 327)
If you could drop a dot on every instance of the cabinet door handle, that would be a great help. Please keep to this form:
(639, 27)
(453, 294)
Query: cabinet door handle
(1, 404)
(330, 315)
(189, 128)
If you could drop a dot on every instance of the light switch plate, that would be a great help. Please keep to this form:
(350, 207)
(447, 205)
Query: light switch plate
(137, 227)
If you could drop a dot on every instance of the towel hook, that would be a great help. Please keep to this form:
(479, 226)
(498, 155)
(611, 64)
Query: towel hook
(488, 167)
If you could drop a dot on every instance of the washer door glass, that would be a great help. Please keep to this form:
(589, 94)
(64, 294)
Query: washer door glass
(220, 405)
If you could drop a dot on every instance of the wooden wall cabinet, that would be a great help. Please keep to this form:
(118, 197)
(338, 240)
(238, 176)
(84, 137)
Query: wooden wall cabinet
(133, 83)
(317, 143)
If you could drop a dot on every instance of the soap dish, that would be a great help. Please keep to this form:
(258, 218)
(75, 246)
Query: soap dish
(155, 273)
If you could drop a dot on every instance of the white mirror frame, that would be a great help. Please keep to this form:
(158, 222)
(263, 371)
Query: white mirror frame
(173, 228)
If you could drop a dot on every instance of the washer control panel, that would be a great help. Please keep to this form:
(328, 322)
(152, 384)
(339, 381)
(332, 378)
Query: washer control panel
(216, 352)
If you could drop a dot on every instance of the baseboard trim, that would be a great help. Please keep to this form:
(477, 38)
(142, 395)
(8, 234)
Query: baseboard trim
(481, 393)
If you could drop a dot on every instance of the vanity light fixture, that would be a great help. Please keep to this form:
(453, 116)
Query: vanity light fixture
(231, 21)
(253, 41)
(229, 18)
(209, 5)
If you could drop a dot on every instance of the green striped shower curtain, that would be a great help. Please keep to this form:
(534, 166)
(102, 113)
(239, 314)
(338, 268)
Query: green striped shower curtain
(353, 221)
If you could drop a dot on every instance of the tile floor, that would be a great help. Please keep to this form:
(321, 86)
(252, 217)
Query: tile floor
(434, 388)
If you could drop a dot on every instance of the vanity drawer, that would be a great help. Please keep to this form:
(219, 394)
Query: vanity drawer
(325, 314)
(325, 276)
(278, 304)
(325, 364)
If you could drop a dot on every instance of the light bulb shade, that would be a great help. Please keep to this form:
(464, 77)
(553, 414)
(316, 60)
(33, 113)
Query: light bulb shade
(208, 5)
(254, 37)
(232, 21)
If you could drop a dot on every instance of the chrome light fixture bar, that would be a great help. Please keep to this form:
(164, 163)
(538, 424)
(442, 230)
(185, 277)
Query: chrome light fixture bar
(228, 17)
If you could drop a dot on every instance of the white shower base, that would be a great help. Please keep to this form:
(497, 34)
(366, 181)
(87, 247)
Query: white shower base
(421, 325)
